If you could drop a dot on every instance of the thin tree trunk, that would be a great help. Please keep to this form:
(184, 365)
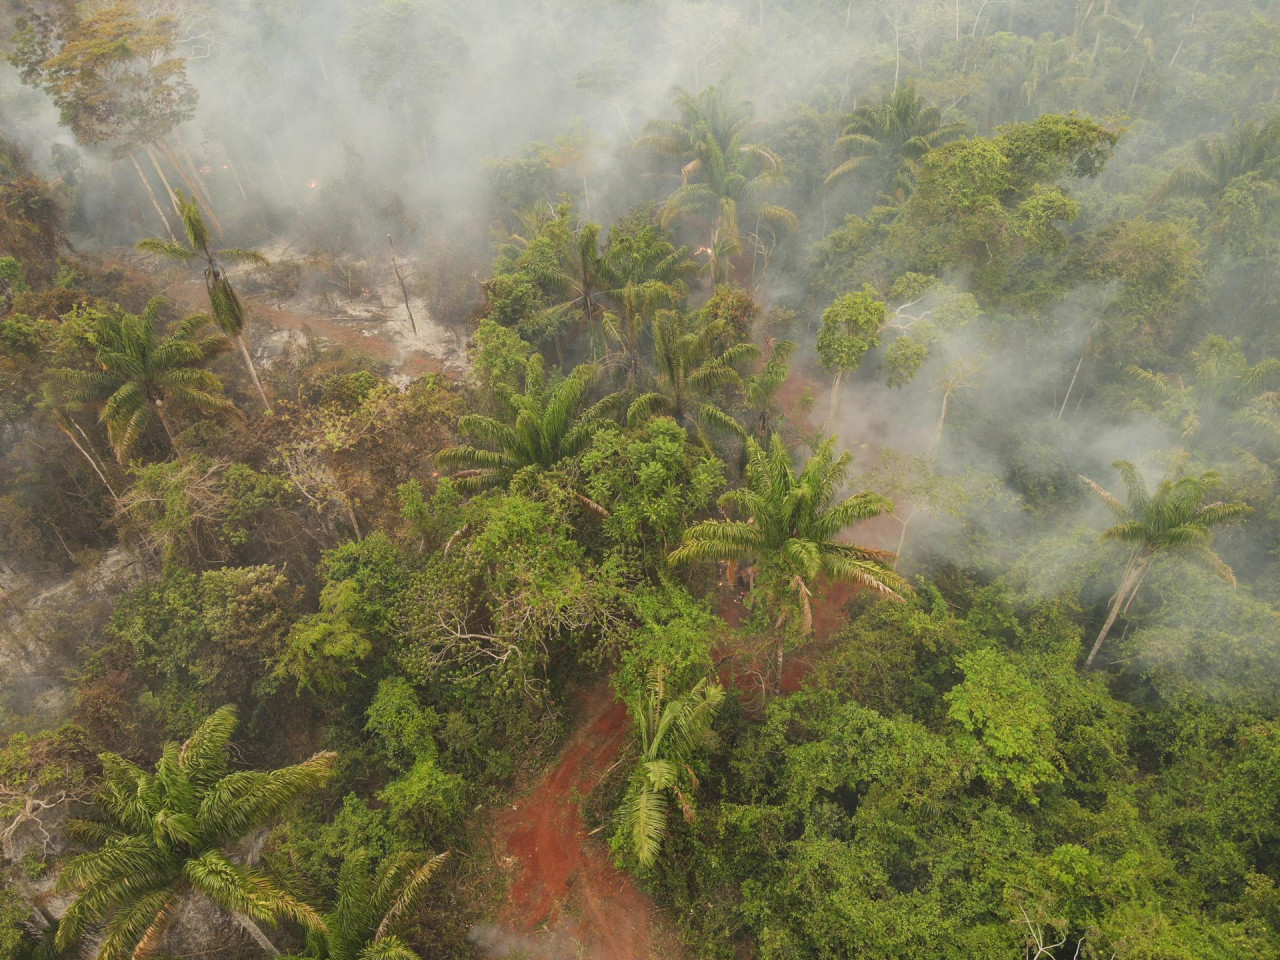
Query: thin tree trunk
(195, 171)
(248, 362)
(778, 654)
(173, 197)
(351, 515)
(1083, 20)
(942, 419)
(835, 400)
(897, 55)
(623, 116)
(155, 201)
(403, 289)
(168, 428)
(1134, 592)
(248, 926)
(1097, 40)
(1071, 385)
(1136, 81)
(93, 462)
(231, 165)
(274, 159)
(197, 194)
(902, 537)
(1128, 585)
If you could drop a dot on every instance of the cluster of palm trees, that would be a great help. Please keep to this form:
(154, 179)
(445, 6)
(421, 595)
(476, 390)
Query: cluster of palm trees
(141, 368)
(725, 179)
(611, 293)
(791, 521)
(167, 834)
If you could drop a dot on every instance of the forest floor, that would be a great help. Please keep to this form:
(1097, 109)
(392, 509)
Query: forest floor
(374, 323)
(566, 898)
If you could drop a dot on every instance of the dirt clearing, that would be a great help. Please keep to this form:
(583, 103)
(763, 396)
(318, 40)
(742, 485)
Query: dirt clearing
(566, 899)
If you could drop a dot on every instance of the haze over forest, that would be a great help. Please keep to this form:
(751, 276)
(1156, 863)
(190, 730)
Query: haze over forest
(779, 479)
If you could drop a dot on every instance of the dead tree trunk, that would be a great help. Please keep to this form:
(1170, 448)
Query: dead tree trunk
(195, 183)
(403, 289)
(253, 373)
(155, 201)
(173, 197)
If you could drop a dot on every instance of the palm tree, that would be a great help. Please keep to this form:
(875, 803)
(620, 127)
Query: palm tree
(1222, 390)
(691, 367)
(142, 370)
(166, 833)
(760, 390)
(671, 728)
(894, 134)
(227, 309)
(566, 261)
(1249, 150)
(1022, 69)
(723, 179)
(1175, 521)
(372, 906)
(549, 425)
(646, 273)
(791, 521)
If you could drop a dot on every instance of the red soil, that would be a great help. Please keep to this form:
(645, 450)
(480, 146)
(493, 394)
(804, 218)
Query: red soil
(566, 898)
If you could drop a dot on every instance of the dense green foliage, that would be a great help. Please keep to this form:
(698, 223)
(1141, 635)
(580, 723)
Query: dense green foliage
(777, 283)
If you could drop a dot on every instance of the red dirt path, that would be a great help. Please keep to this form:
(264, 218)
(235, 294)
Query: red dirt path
(566, 898)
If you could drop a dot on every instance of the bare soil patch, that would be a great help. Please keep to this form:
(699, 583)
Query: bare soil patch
(566, 898)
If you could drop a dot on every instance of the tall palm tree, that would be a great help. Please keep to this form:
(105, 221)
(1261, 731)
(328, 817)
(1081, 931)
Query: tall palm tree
(166, 833)
(760, 390)
(549, 424)
(227, 309)
(691, 368)
(142, 370)
(372, 907)
(1221, 390)
(646, 273)
(566, 261)
(1249, 150)
(791, 521)
(893, 135)
(1023, 69)
(724, 178)
(1174, 521)
(671, 728)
